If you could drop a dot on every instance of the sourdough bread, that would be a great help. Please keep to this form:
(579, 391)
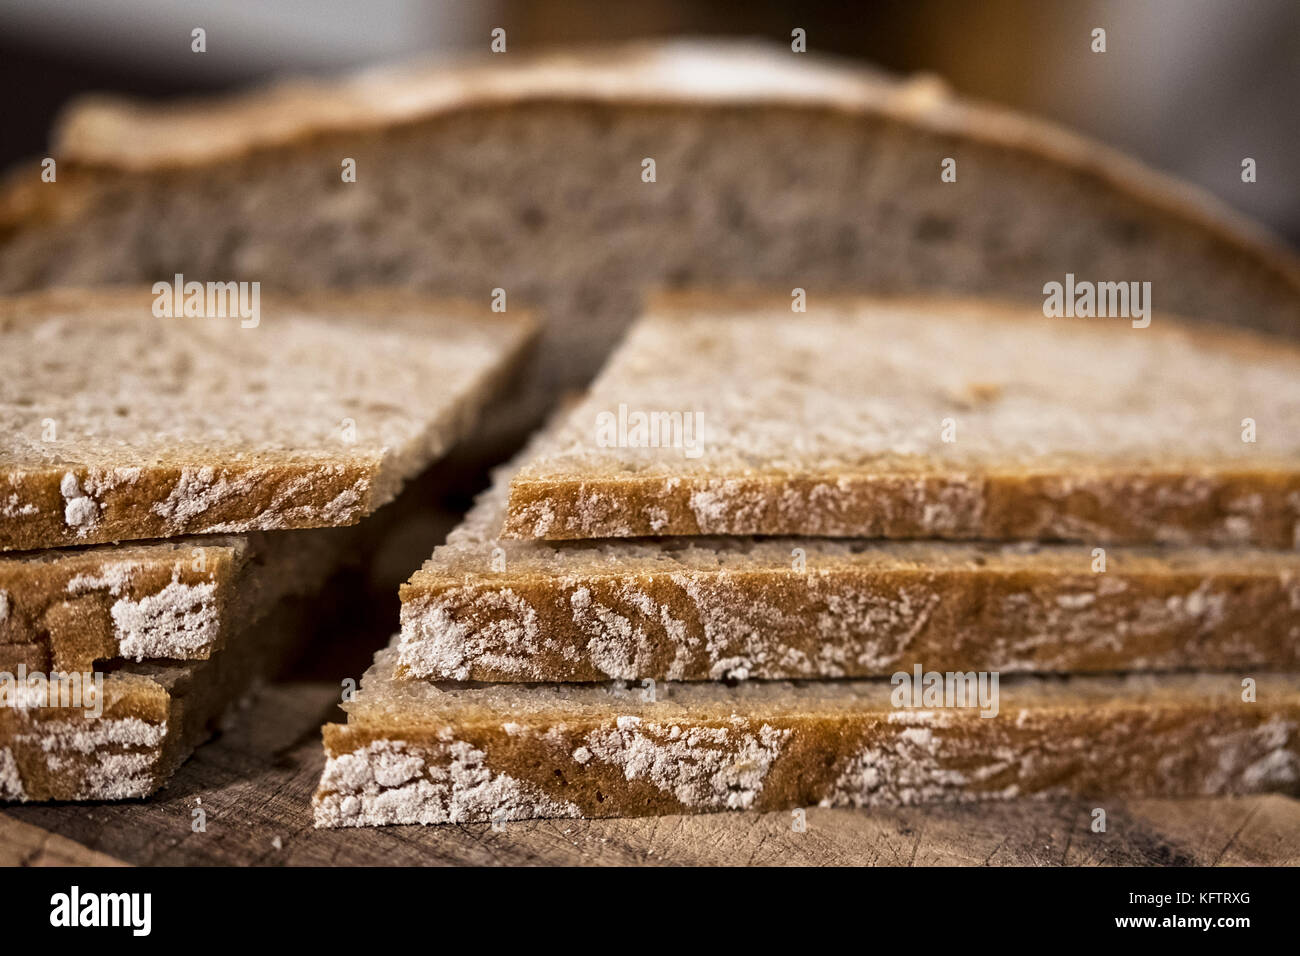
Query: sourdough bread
(413, 752)
(149, 719)
(202, 651)
(67, 609)
(525, 174)
(924, 418)
(485, 608)
(121, 424)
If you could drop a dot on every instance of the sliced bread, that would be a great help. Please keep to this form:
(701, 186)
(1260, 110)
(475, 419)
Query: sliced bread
(57, 745)
(528, 174)
(414, 752)
(68, 609)
(916, 418)
(121, 423)
(119, 728)
(485, 608)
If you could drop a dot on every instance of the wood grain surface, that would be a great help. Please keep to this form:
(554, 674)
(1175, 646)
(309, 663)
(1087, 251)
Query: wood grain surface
(254, 784)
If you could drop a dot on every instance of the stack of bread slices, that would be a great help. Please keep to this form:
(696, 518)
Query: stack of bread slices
(875, 551)
(154, 471)
(784, 539)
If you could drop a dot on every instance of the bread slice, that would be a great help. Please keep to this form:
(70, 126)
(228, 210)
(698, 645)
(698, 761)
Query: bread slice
(65, 610)
(119, 424)
(917, 418)
(151, 715)
(413, 752)
(485, 609)
(525, 173)
(211, 635)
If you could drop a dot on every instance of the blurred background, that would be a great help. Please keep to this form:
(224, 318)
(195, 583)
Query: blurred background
(1189, 86)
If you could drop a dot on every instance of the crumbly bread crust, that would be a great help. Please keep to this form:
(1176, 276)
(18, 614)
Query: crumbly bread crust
(172, 426)
(128, 598)
(58, 753)
(413, 752)
(915, 418)
(490, 609)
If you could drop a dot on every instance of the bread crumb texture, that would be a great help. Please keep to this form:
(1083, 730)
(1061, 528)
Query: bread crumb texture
(924, 419)
(119, 424)
(790, 171)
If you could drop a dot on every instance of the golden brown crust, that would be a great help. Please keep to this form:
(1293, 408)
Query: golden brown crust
(1123, 507)
(62, 753)
(840, 616)
(126, 510)
(154, 715)
(210, 617)
(689, 608)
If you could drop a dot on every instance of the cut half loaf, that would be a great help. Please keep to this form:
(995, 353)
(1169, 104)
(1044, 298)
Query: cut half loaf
(422, 753)
(526, 174)
(924, 419)
(121, 424)
(490, 609)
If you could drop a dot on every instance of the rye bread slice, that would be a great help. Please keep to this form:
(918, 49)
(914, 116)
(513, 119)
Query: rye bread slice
(413, 752)
(119, 424)
(915, 418)
(793, 170)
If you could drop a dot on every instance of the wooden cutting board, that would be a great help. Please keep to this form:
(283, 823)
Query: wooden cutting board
(254, 786)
